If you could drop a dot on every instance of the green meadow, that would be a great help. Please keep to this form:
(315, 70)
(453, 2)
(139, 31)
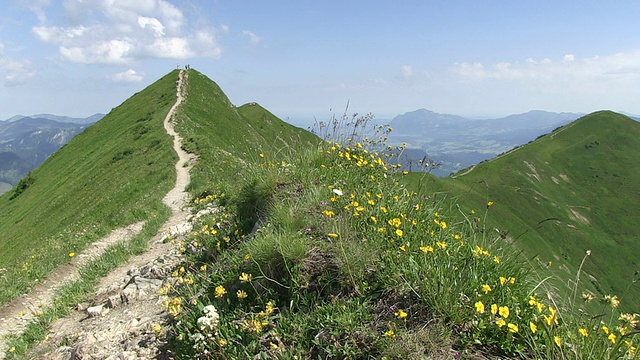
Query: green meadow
(327, 249)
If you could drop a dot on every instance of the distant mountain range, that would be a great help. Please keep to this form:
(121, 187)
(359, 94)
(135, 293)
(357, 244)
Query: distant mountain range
(27, 141)
(455, 142)
(62, 119)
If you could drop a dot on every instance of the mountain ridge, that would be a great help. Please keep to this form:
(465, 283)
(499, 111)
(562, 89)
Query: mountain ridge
(558, 197)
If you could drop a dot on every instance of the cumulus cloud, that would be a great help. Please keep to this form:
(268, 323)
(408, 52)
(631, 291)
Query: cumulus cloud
(407, 70)
(126, 77)
(122, 31)
(15, 71)
(253, 38)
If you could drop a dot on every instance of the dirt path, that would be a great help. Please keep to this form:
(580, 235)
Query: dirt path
(95, 332)
(464, 173)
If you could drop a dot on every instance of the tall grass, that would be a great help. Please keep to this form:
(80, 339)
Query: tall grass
(345, 262)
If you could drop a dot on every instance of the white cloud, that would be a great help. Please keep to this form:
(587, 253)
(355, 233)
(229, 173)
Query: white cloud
(407, 70)
(125, 77)
(15, 72)
(569, 68)
(153, 23)
(123, 31)
(37, 6)
(253, 38)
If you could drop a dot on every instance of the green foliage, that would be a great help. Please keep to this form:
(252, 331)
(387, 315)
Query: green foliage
(348, 263)
(112, 174)
(345, 262)
(22, 185)
(567, 192)
(227, 138)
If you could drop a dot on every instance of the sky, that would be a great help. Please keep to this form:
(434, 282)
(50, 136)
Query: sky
(306, 60)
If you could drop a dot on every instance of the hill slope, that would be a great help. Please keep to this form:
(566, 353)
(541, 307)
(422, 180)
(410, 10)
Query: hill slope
(226, 137)
(116, 172)
(570, 191)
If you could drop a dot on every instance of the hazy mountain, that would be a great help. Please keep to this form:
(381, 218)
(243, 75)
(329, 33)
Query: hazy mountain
(32, 140)
(456, 142)
(63, 119)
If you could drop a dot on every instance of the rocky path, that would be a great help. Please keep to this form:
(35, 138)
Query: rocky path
(125, 319)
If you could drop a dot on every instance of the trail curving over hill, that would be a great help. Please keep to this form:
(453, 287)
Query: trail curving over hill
(124, 311)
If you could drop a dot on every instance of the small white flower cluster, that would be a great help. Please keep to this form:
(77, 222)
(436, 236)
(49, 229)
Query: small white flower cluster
(209, 321)
(207, 324)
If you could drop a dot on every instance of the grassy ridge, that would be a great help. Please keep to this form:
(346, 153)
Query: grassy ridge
(568, 192)
(349, 264)
(226, 137)
(114, 173)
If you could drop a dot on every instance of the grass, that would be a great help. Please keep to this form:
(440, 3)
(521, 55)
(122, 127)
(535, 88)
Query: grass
(113, 174)
(69, 295)
(349, 263)
(117, 172)
(319, 249)
(566, 193)
(225, 137)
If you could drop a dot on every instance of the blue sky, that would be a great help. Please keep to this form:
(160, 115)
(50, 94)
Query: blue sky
(306, 59)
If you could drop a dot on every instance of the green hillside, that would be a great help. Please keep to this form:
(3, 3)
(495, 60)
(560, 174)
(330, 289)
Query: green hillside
(570, 191)
(118, 170)
(226, 137)
(114, 173)
(347, 263)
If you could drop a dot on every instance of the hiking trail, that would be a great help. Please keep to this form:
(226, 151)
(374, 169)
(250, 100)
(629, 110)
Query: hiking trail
(124, 317)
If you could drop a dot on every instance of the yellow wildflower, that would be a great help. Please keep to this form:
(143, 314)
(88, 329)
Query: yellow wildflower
(612, 337)
(399, 232)
(244, 277)
(533, 327)
(486, 288)
(241, 294)
(557, 340)
(494, 309)
(583, 332)
(500, 322)
(512, 327)
(504, 311)
(479, 307)
(72, 254)
(426, 249)
(390, 333)
(400, 314)
(220, 291)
